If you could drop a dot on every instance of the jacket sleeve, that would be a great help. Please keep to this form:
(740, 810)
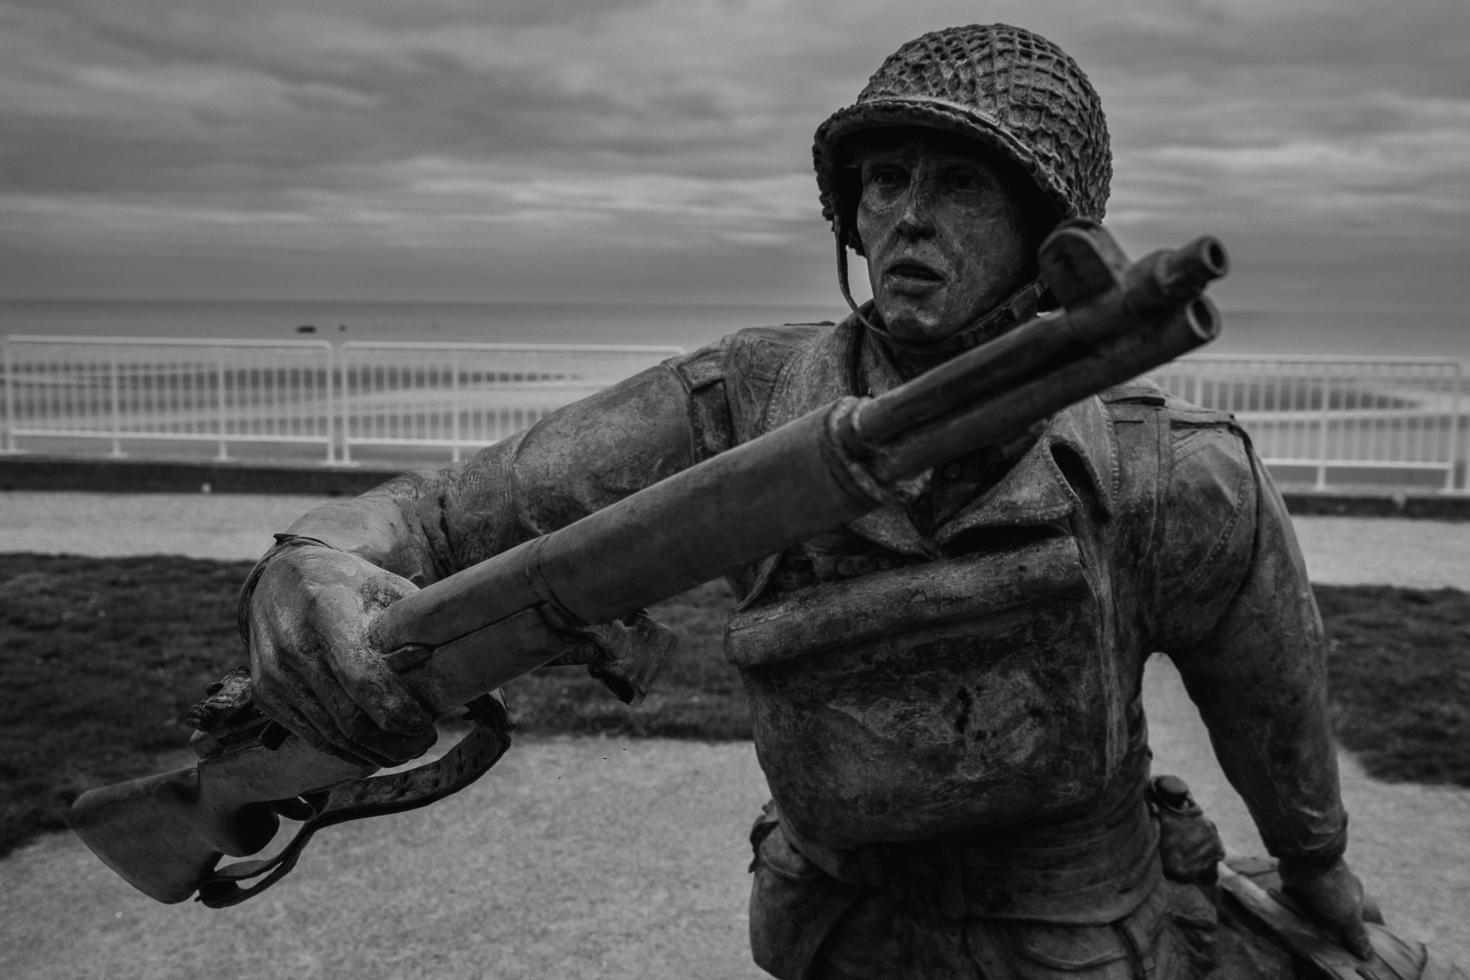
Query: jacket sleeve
(1243, 628)
(577, 460)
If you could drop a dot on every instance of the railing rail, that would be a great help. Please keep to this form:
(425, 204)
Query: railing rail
(1340, 414)
(1334, 419)
(463, 396)
(161, 390)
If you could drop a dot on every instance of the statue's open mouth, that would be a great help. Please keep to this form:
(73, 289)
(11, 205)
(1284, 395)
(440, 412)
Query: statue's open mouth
(912, 270)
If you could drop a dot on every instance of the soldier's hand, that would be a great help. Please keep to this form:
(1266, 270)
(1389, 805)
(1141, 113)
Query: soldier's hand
(312, 668)
(1334, 896)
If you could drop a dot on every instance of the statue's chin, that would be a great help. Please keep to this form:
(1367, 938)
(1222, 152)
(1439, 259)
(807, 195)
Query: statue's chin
(921, 340)
(908, 320)
(911, 327)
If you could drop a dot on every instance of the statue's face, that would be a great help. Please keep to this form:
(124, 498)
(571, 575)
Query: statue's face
(944, 235)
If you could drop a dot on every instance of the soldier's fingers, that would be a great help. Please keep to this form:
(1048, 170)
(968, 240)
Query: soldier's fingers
(301, 693)
(1340, 911)
(355, 695)
(359, 731)
(382, 695)
(361, 669)
(317, 676)
(1355, 938)
(316, 729)
(1206, 851)
(392, 748)
(277, 709)
(336, 724)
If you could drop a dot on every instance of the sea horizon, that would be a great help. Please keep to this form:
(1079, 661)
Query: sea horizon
(1264, 332)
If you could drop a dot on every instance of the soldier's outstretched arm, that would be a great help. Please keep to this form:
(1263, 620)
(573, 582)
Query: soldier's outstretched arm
(1247, 638)
(306, 605)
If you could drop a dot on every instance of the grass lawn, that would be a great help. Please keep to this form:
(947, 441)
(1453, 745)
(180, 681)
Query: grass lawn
(101, 656)
(1399, 667)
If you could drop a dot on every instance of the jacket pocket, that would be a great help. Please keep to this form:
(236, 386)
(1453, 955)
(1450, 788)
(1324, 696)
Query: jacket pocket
(794, 905)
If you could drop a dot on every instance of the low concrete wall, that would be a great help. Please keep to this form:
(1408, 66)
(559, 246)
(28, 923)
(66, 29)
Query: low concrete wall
(1428, 505)
(185, 476)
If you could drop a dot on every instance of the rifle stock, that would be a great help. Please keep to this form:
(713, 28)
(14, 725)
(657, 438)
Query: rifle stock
(477, 629)
(164, 834)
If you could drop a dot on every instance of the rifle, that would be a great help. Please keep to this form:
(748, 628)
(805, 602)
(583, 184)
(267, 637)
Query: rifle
(475, 630)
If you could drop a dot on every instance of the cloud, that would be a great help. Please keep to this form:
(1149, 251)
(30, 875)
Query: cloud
(676, 126)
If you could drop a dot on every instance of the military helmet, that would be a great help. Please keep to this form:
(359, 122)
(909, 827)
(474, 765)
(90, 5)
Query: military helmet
(1008, 88)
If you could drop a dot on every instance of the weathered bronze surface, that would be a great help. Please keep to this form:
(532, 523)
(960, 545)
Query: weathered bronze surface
(519, 609)
(944, 665)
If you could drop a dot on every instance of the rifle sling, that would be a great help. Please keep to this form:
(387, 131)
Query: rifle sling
(470, 759)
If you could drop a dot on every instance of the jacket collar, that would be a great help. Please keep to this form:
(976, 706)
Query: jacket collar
(1037, 490)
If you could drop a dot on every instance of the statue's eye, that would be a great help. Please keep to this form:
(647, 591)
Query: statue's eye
(966, 180)
(886, 177)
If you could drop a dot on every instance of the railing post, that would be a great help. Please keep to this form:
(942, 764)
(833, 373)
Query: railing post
(221, 404)
(331, 403)
(343, 398)
(1323, 423)
(1456, 404)
(116, 406)
(454, 410)
(9, 395)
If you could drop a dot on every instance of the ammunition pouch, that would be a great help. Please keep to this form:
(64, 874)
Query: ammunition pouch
(794, 904)
(1190, 849)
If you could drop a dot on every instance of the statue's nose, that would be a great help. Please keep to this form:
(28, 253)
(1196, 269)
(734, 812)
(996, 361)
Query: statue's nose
(916, 219)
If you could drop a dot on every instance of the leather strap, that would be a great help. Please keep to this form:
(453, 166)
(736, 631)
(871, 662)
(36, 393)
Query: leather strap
(470, 759)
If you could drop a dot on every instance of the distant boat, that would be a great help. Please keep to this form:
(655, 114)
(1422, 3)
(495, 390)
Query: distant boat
(306, 328)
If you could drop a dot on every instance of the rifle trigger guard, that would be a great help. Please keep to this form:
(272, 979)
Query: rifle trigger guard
(470, 759)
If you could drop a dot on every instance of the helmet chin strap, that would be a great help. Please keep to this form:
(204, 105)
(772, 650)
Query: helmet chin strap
(1010, 312)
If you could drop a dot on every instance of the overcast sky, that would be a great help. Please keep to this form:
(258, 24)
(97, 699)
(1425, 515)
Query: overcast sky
(647, 150)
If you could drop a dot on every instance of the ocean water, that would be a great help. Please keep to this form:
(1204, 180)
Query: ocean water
(1263, 332)
(1345, 333)
(685, 326)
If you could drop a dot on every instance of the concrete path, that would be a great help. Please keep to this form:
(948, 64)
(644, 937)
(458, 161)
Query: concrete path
(1339, 550)
(601, 857)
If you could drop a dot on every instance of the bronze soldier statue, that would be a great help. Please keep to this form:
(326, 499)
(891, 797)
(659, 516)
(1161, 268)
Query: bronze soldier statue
(945, 692)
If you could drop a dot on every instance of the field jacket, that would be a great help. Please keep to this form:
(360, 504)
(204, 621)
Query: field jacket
(968, 664)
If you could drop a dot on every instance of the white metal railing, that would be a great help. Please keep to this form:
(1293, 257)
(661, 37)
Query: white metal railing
(146, 390)
(464, 396)
(1333, 417)
(1341, 413)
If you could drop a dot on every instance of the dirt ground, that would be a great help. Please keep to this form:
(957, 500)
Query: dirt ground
(601, 857)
